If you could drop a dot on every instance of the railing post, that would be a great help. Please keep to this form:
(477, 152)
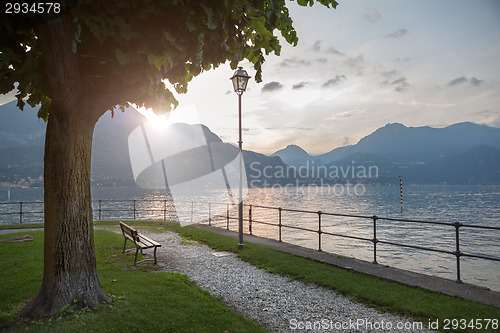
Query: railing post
(374, 240)
(250, 219)
(209, 213)
(279, 222)
(192, 211)
(319, 231)
(227, 218)
(21, 212)
(134, 209)
(458, 254)
(164, 210)
(99, 210)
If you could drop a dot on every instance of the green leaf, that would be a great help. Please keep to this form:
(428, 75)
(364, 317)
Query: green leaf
(169, 37)
(210, 17)
(161, 61)
(190, 25)
(122, 57)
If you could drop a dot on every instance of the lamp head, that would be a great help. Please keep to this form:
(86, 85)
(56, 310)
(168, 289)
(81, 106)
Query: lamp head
(240, 80)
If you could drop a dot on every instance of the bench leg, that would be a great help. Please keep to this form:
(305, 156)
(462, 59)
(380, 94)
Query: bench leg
(136, 253)
(155, 254)
(124, 244)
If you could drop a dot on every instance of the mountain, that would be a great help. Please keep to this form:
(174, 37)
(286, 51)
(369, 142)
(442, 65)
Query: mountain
(28, 128)
(22, 138)
(110, 156)
(293, 155)
(336, 154)
(400, 144)
(476, 165)
(463, 153)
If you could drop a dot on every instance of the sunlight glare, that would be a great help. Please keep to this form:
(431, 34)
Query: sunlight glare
(151, 116)
(186, 115)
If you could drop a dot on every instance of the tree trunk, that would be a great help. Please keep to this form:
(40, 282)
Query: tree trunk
(70, 271)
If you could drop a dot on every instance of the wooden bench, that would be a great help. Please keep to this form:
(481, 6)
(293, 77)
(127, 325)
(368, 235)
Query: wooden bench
(141, 242)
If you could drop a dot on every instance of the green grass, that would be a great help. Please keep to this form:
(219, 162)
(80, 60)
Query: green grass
(422, 305)
(143, 298)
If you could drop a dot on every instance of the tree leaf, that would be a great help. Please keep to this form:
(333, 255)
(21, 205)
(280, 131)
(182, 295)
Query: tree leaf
(122, 57)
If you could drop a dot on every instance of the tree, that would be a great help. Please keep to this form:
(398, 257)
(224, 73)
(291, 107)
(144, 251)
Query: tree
(94, 55)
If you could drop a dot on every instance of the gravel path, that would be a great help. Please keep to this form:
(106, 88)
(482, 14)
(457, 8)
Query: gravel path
(12, 231)
(275, 302)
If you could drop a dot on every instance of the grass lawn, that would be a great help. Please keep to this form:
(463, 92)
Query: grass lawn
(144, 300)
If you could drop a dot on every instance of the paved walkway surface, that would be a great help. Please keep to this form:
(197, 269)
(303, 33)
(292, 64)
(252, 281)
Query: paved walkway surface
(434, 283)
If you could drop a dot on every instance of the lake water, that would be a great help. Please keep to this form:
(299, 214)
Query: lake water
(474, 205)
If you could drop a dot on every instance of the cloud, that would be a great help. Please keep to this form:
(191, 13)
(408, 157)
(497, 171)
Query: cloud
(317, 46)
(476, 82)
(333, 50)
(401, 84)
(389, 74)
(458, 80)
(300, 85)
(397, 34)
(291, 128)
(357, 64)
(334, 81)
(272, 86)
(294, 62)
(345, 114)
(405, 59)
(373, 15)
(489, 117)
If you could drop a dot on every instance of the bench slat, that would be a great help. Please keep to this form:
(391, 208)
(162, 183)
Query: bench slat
(148, 241)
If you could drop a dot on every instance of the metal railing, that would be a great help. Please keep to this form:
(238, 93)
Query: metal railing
(23, 208)
(458, 253)
(132, 209)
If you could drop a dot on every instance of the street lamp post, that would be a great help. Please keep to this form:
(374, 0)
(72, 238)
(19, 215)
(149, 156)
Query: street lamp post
(240, 81)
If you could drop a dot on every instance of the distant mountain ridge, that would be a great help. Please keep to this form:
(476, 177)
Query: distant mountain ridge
(464, 153)
(28, 128)
(400, 144)
(22, 157)
(292, 155)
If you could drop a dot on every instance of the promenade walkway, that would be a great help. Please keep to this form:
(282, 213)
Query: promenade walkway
(283, 305)
(433, 283)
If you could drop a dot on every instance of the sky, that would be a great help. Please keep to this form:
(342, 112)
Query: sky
(357, 68)
(361, 66)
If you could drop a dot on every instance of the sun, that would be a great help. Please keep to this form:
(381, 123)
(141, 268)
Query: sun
(184, 115)
(152, 118)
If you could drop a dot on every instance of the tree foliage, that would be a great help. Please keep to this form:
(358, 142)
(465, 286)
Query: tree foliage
(124, 49)
(98, 54)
